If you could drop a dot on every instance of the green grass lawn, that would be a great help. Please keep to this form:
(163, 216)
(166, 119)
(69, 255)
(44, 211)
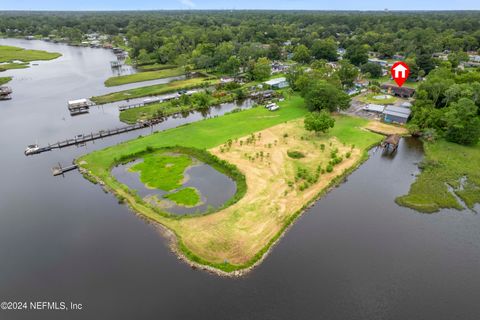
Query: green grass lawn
(9, 53)
(209, 133)
(4, 80)
(143, 76)
(445, 163)
(203, 134)
(161, 171)
(157, 89)
(188, 197)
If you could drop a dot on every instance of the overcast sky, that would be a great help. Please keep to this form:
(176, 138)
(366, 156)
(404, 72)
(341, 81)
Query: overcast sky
(243, 4)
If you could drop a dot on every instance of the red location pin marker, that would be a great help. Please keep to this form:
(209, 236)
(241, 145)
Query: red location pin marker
(400, 72)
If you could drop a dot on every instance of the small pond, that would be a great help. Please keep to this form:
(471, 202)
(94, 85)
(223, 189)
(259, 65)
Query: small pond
(214, 188)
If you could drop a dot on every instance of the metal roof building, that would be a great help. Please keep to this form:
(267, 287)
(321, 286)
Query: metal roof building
(396, 114)
(374, 107)
(277, 83)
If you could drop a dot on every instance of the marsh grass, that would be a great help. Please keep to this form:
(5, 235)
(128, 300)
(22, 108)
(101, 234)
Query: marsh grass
(445, 164)
(161, 171)
(188, 197)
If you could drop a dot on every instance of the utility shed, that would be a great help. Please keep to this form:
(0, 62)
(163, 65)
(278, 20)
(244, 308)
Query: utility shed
(374, 107)
(396, 114)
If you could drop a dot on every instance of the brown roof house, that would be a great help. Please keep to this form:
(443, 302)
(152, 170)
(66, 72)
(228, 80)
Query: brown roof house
(402, 92)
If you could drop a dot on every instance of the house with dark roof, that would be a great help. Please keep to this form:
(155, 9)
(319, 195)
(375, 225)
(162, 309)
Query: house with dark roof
(403, 92)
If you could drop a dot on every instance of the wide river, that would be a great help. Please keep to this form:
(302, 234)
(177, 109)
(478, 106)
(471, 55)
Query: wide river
(354, 255)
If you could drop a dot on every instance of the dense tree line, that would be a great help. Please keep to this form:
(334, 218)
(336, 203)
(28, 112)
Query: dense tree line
(447, 105)
(230, 40)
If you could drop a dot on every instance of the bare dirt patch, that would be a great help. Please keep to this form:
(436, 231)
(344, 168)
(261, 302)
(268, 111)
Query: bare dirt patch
(386, 129)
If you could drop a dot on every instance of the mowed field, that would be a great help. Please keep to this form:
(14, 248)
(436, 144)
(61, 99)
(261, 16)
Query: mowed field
(238, 236)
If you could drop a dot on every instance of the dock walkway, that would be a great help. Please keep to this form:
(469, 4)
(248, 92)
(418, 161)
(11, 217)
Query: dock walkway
(81, 139)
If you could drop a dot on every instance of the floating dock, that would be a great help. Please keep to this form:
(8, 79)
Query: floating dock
(81, 139)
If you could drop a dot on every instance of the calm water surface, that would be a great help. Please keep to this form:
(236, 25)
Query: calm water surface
(353, 255)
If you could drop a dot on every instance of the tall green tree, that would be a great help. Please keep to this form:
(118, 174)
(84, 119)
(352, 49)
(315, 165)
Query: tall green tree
(325, 49)
(347, 73)
(302, 54)
(357, 54)
(261, 69)
(462, 122)
(322, 95)
(375, 70)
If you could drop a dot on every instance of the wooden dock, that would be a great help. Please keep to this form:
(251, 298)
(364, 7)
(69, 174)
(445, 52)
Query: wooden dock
(60, 170)
(82, 139)
(136, 105)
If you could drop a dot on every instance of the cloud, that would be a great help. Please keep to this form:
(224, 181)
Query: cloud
(188, 3)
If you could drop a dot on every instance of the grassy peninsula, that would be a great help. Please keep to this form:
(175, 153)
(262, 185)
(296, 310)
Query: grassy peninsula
(255, 141)
(19, 58)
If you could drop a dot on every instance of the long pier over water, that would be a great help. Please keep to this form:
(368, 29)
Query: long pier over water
(80, 139)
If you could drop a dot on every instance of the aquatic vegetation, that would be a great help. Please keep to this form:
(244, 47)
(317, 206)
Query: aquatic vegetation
(188, 197)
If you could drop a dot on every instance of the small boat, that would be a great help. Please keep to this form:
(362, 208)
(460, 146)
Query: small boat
(32, 149)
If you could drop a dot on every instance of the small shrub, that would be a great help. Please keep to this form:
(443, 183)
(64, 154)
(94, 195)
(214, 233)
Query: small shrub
(329, 168)
(295, 154)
